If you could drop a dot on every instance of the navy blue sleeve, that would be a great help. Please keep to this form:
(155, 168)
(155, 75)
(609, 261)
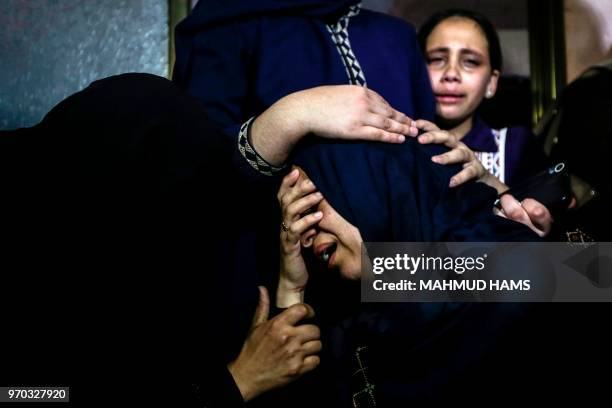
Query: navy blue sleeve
(424, 102)
(212, 65)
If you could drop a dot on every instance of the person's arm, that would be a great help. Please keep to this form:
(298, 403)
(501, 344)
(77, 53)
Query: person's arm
(296, 196)
(335, 111)
(214, 66)
(422, 93)
(529, 212)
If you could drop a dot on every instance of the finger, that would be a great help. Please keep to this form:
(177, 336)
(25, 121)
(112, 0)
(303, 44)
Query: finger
(426, 125)
(513, 210)
(376, 96)
(294, 210)
(310, 363)
(312, 347)
(288, 181)
(386, 123)
(499, 212)
(307, 332)
(455, 156)
(398, 117)
(263, 308)
(297, 228)
(301, 188)
(538, 214)
(439, 137)
(296, 313)
(379, 135)
(391, 113)
(465, 175)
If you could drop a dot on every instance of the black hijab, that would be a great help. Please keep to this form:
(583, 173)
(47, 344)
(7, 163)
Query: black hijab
(396, 193)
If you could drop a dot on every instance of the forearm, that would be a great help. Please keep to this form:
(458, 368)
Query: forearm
(278, 129)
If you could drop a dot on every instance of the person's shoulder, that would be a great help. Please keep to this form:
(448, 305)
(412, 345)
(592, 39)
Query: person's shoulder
(411, 151)
(388, 22)
(519, 132)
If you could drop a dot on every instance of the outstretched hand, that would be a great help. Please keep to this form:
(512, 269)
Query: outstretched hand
(459, 154)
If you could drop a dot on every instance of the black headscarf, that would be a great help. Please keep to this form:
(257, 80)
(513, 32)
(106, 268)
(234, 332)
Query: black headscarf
(396, 193)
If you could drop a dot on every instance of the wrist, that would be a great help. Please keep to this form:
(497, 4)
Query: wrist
(492, 181)
(289, 293)
(242, 382)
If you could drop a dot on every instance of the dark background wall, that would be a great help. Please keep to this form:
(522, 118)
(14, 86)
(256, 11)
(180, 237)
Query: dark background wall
(50, 49)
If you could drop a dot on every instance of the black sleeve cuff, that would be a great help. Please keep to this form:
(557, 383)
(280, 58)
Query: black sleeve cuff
(218, 390)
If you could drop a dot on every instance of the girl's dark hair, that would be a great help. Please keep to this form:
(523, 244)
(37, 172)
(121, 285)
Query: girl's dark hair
(485, 25)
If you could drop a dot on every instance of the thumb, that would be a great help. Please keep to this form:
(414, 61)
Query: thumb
(263, 308)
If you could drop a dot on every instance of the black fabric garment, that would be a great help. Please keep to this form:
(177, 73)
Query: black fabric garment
(583, 142)
(119, 210)
(211, 13)
(574, 337)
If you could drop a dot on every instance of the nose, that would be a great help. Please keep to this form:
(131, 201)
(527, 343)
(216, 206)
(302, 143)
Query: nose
(451, 73)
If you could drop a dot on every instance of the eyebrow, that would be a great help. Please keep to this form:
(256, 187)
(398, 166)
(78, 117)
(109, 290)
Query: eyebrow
(462, 51)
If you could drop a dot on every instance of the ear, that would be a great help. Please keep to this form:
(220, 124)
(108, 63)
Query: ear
(307, 238)
(492, 85)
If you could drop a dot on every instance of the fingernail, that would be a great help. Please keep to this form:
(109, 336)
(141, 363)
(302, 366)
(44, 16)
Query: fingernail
(318, 214)
(318, 194)
(435, 159)
(401, 139)
(452, 183)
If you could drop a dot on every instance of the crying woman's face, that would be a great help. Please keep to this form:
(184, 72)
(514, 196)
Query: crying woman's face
(336, 242)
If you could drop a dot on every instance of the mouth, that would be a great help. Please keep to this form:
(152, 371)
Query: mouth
(449, 97)
(326, 252)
